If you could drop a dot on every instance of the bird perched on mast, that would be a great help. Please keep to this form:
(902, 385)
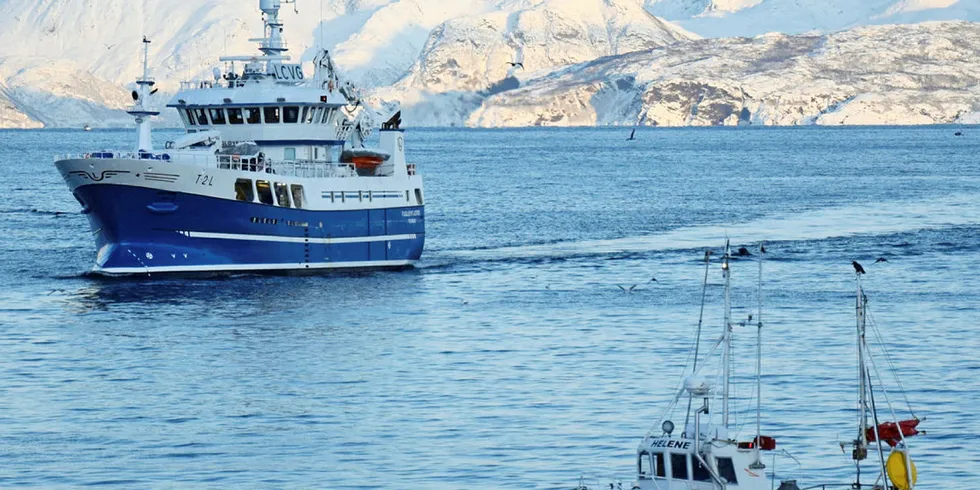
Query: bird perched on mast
(857, 267)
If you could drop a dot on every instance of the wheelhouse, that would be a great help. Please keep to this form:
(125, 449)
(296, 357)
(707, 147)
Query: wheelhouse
(204, 117)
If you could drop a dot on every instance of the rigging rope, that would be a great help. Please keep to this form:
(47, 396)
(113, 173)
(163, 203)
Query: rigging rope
(697, 336)
(888, 358)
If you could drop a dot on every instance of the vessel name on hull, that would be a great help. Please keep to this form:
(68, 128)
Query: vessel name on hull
(671, 444)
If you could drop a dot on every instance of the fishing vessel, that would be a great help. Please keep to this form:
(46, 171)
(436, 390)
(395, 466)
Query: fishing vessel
(271, 174)
(699, 450)
(883, 443)
(705, 455)
(888, 440)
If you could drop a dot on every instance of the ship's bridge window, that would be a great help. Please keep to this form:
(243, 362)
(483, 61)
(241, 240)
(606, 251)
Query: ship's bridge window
(726, 470)
(643, 465)
(188, 117)
(217, 116)
(700, 472)
(327, 112)
(235, 116)
(282, 194)
(253, 115)
(678, 466)
(659, 468)
(308, 114)
(298, 199)
(265, 191)
(202, 116)
(290, 114)
(272, 115)
(243, 190)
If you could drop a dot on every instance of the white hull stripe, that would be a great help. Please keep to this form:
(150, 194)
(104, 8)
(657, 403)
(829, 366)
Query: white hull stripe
(295, 239)
(254, 267)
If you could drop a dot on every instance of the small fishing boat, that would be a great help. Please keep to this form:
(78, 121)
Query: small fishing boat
(706, 456)
(87, 128)
(705, 453)
(888, 439)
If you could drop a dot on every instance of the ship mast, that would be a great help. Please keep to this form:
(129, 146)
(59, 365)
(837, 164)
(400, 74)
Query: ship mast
(140, 97)
(272, 44)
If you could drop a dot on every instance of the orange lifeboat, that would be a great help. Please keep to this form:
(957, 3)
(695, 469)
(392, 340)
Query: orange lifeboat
(364, 160)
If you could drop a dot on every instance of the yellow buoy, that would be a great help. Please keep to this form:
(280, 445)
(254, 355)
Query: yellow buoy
(896, 471)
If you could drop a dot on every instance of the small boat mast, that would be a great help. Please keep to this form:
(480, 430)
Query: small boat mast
(898, 468)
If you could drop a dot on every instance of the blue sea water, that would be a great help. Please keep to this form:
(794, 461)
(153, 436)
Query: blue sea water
(509, 358)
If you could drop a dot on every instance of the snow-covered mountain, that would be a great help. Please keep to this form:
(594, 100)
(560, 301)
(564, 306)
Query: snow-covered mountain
(376, 42)
(71, 62)
(469, 58)
(896, 74)
(726, 18)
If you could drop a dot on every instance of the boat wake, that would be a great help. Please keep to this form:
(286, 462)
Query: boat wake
(35, 211)
(885, 218)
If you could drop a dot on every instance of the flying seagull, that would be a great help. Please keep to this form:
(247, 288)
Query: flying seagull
(632, 135)
(109, 46)
(515, 65)
(881, 259)
(857, 267)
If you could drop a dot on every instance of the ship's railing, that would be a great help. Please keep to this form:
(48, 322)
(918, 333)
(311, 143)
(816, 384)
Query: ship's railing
(197, 84)
(121, 155)
(243, 163)
(210, 84)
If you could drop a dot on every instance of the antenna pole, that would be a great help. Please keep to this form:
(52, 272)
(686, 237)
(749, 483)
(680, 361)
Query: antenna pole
(757, 464)
(727, 338)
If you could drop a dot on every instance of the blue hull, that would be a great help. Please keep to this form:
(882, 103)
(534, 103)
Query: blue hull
(140, 230)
